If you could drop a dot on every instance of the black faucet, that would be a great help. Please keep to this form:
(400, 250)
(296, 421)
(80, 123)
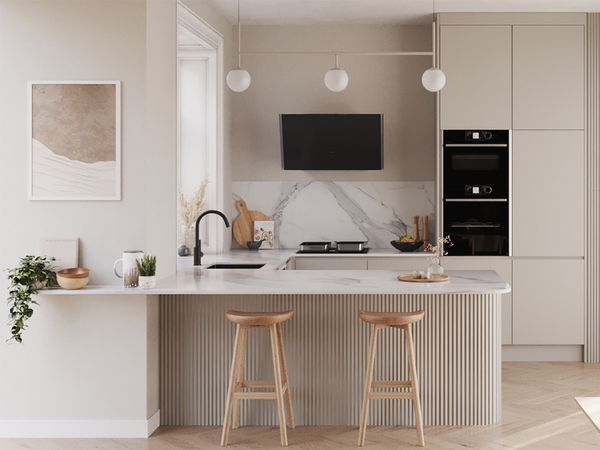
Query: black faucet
(198, 248)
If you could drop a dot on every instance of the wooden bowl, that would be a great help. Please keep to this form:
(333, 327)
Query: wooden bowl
(74, 278)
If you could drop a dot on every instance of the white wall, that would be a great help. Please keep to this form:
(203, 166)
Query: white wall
(134, 41)
(62, 40)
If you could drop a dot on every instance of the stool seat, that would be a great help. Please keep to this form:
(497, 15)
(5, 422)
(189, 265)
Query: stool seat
(258, 319)
(391, 319)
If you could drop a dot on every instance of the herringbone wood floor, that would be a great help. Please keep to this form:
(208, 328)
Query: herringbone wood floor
(539, 413)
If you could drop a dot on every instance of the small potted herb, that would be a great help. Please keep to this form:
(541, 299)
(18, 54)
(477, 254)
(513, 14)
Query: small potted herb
(147, 269)
(32, 273)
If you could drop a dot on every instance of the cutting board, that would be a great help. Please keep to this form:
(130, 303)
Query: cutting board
(243, 225)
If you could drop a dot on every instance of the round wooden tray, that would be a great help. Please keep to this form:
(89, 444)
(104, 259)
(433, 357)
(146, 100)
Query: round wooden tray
(412, 279)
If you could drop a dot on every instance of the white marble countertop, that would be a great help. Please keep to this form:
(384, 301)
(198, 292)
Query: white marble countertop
(209, 281)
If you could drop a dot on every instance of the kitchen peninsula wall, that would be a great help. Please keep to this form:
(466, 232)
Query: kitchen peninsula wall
(329, 205)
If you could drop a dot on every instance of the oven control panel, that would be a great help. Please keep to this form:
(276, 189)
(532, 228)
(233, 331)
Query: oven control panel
(478, 190)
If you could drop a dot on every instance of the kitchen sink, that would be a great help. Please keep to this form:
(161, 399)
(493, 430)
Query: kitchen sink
(235, 266)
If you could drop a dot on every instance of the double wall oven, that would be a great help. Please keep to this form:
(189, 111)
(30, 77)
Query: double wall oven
(476, 191)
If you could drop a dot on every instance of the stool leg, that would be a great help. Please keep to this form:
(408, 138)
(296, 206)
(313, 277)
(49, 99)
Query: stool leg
(364, 416)
(278, 385)
(240, 375)
(232, 387)
(284, 376)
(415, 384)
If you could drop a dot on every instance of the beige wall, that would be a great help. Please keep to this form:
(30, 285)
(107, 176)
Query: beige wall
(73, 342)
(294, 84)
(76, 40)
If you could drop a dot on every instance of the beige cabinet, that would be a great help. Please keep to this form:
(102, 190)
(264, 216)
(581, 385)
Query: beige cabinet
(548, 302)
(401, 264)
(548, 77)
(503, 266)
(477, 64)
(548, 193)
(330, 263)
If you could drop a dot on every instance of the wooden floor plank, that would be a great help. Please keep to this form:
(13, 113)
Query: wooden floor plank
(539, 413)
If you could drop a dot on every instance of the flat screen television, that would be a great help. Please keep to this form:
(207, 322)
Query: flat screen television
(332, 141)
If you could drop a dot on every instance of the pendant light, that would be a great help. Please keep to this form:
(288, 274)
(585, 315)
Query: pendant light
(238, 79)
(433, 79)
(336, 79)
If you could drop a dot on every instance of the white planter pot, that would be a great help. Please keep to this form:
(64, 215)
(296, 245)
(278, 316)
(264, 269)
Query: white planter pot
(147, 282)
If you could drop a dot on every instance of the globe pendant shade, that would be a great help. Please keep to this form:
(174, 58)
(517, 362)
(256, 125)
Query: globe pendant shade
(336, 80)
(238, 80)
(433, 79)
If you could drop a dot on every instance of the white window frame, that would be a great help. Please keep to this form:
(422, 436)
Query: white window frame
(211, 48)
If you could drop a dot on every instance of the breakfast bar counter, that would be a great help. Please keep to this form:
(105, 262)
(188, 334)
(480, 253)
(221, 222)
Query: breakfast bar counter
(457, 344)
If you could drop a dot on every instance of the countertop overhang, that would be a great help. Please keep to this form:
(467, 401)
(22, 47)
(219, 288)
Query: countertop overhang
(200, 281)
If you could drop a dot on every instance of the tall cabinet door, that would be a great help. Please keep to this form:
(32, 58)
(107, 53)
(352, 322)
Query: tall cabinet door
(548, 193)
(548, 301)
(548, 77)
(477, 64)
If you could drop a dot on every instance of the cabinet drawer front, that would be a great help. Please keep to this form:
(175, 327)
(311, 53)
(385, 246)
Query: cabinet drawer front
(331, 263)
(548, 302)
(407, 264)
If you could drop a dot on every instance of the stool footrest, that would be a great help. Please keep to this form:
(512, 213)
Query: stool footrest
(391, 395)
(256, 384)
(391, 384)
(255, 396)
(260, 395)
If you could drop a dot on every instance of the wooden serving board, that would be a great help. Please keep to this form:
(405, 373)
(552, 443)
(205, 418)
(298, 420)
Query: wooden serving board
(409, 277)
(243, 225)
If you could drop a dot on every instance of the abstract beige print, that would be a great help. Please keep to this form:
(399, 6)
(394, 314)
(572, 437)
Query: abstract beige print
(74, 141)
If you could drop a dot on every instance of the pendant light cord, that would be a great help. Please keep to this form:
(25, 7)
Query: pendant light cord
(433, 35)
(239, 63)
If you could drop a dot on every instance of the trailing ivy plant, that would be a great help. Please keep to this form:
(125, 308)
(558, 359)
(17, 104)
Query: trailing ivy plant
(32, 273)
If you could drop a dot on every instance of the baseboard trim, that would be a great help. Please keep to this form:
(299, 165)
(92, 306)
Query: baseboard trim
(538, 353)
(79, 428)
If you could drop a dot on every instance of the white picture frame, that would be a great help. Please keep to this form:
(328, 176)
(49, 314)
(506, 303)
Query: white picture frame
(32, 195)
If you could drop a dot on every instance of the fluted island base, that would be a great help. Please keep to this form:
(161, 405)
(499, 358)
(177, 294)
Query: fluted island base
(458, 352)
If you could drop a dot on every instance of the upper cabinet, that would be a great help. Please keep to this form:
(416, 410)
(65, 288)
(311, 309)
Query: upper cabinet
(548, 77)
(477, 64)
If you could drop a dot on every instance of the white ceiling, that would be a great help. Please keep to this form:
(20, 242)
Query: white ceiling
(271, 12)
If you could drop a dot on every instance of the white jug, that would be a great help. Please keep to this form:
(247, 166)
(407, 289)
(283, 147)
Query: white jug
(130, 274)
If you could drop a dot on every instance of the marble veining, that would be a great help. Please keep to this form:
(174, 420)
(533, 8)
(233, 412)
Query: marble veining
(326, 211)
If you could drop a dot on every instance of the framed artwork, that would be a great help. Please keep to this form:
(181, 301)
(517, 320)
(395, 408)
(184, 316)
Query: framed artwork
(264, 229)
(74, 140)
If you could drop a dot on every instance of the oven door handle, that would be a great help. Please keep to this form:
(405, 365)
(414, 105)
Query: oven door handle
(497, 200)
(476, 145)
(495, 225)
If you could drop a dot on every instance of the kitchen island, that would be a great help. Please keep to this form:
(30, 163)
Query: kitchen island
(458, 344)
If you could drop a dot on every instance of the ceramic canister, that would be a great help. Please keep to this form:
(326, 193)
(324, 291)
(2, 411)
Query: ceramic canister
(130, 274)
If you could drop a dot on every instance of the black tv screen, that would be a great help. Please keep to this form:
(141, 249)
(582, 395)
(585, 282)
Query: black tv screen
(332, 141)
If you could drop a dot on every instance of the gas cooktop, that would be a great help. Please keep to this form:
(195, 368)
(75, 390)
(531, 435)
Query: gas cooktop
(333, 247)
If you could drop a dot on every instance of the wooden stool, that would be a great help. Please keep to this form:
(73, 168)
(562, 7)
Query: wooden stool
(381, 320)
(237, 384)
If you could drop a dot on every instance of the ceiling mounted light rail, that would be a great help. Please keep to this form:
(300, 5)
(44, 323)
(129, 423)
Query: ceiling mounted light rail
(336, 79)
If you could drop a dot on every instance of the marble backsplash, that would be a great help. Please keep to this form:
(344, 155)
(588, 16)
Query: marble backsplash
(327, 211)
